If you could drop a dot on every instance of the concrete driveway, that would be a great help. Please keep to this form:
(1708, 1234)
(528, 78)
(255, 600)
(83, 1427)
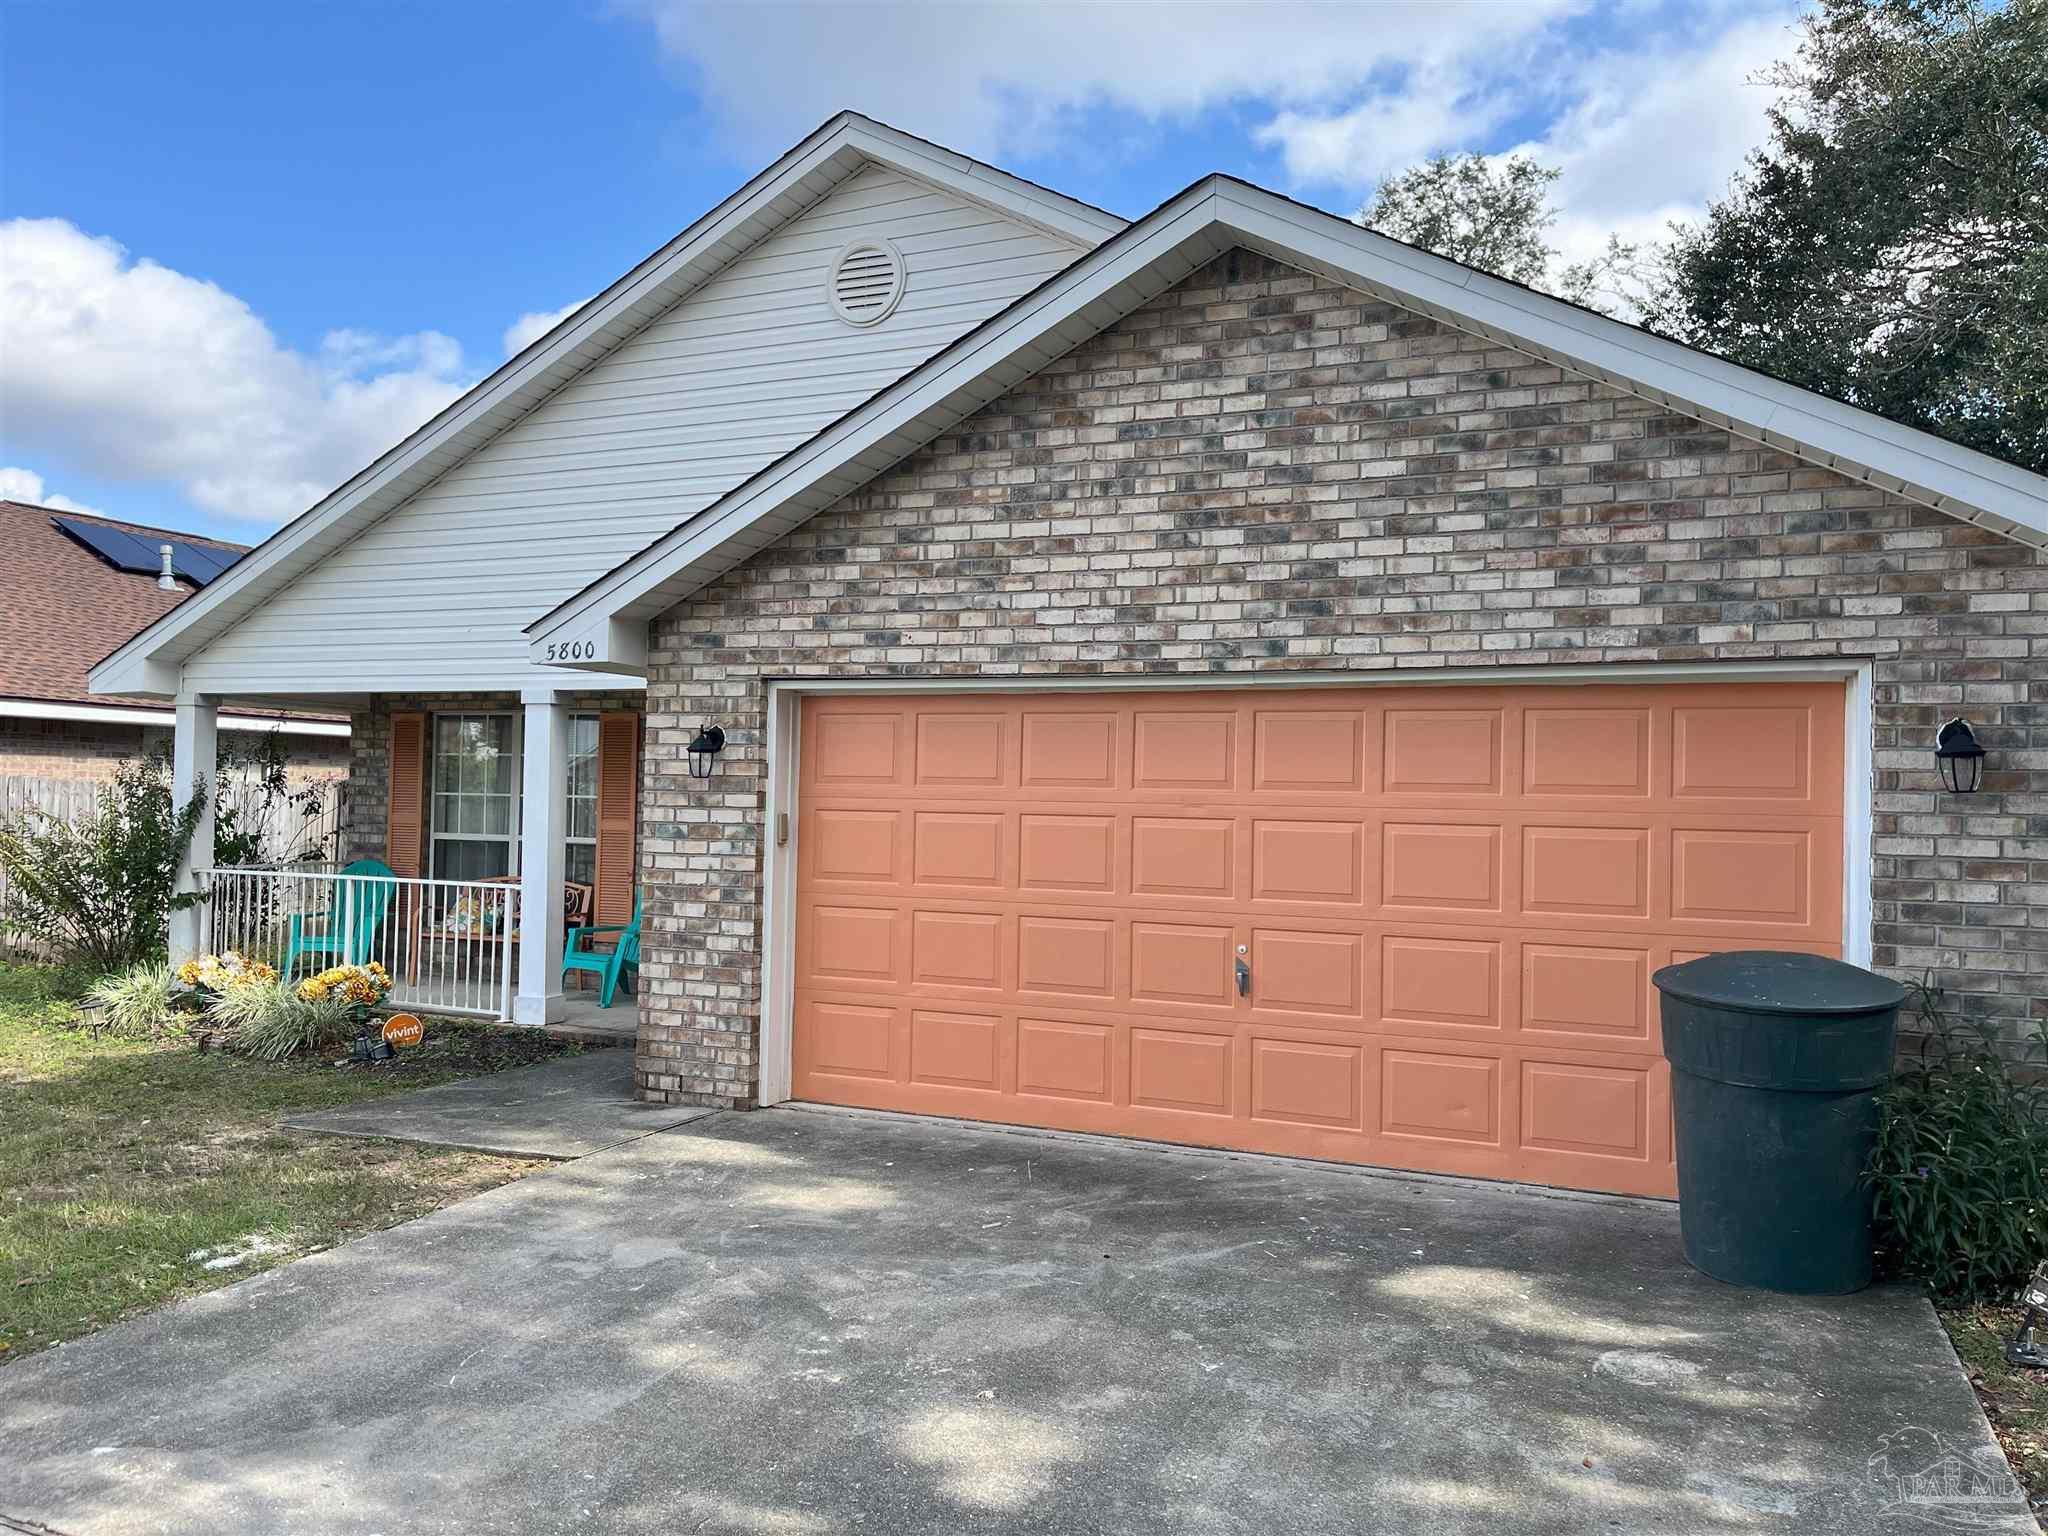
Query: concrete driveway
(798, 1321)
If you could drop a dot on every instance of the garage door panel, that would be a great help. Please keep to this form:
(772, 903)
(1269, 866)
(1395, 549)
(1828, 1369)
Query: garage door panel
(960, 848)
(1066, 1059)
(1431, 980)
(1758, 878)
(1074, 956)
(1183, 856)
(963, 750)
(1067, 853)
(1440, 865)
(957, 1050)
(1581, 754)
(957, 949)
(1309, 972)
(1180, 1070)
(1318, 861)
(1184, 750)
(1584, 871)
(858, 846)
(1450, 900)
(1182, 963)
(1305, 1082)
(1440, 1096)
(1441, 751)
(1307, 751)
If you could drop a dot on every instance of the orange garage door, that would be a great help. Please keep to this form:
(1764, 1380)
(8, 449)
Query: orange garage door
(1446, 904)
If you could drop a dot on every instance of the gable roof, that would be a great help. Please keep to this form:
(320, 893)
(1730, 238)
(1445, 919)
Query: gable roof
(834, 152)
(601, 625)
(64, 601)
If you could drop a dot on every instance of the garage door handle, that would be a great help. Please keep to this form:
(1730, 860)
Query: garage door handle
(1244, 979)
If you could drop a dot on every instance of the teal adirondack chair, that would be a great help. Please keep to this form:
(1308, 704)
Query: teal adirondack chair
(609, 964)
(355, 911)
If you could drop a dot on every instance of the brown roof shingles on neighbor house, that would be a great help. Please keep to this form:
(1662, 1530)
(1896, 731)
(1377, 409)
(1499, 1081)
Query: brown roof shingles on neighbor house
(65, 607)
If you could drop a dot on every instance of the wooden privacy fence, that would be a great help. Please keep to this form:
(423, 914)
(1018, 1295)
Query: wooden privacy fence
(74, 799)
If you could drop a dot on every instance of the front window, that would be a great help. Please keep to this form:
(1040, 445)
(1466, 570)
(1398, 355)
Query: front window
(580, 860)
(476, 790)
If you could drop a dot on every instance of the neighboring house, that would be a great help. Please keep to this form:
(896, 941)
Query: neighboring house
(1229, 678)
(77, 586)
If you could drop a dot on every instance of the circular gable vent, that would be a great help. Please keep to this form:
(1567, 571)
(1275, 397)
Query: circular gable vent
(867, 282)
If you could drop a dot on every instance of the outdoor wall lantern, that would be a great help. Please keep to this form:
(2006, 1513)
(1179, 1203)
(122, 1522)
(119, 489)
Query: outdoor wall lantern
(704, 751)
(1959, 757)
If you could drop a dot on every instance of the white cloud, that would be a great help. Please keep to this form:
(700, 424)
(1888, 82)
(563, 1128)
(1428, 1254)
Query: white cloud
(529, 328)
(1651, 137)
(1012, 79)
(17, 484)
(144, 373)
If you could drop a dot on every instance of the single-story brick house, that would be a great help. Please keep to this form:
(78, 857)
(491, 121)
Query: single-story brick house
(1227, 677)
(69, 601)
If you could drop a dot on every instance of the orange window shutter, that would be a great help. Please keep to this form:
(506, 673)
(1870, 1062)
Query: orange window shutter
(405, 836)
(618, 808)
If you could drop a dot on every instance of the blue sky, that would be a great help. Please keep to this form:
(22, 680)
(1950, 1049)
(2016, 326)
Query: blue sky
(244, 248)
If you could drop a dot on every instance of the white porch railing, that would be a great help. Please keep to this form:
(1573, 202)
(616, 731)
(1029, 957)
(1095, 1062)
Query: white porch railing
(448, 944)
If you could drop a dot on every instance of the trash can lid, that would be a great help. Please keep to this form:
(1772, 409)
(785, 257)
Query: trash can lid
(1779, 981)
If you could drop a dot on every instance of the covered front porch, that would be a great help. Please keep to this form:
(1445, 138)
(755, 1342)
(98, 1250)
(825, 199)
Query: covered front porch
(491, 838)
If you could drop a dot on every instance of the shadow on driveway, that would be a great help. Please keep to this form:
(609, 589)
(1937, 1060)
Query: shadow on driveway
(800, 1322)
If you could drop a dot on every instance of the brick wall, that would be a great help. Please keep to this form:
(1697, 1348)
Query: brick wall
(94, 749)
(74, 749)
(1261, 471)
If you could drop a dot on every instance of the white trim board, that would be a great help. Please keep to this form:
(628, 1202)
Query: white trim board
(784, 748)
(115, 714)
(148, 663)
(1158, 251)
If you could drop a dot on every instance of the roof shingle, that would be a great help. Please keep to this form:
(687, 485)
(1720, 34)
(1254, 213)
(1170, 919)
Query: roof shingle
(66, 607)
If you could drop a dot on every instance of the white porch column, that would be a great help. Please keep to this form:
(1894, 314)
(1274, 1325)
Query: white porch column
(193, 756)
(544, 791)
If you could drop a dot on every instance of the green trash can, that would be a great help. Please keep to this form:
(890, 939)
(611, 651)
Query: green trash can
(1776, 1059)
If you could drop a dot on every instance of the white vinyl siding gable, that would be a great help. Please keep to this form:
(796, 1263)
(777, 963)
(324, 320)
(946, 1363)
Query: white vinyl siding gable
(746, 368)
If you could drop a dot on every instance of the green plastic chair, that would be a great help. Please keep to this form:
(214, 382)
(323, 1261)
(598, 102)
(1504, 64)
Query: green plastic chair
(610, 964)
(355, 911)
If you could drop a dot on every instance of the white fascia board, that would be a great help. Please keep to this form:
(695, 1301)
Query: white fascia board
(147, 662)
(117, 714)
(1050, 212)
(873, 436)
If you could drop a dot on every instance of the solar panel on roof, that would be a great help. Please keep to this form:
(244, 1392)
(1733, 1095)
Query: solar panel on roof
(200, 562)
(125, 551)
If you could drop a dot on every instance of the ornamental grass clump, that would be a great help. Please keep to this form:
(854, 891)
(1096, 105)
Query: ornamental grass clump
(271, 1021)
(140, 1002)
(1960, 1169)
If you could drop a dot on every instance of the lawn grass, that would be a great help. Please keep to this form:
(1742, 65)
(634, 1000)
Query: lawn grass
(2015, 1398)
(121, 1159)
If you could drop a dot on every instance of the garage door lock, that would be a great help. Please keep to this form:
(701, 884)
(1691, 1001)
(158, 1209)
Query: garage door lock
(1244, 974)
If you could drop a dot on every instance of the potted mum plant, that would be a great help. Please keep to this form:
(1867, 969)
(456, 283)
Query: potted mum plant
(205, 979)
(358, 988)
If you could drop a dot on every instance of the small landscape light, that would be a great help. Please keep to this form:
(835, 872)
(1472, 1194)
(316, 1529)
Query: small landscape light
(704, 750)
(1959, 757)
(92, 1015)
(2026, 1347)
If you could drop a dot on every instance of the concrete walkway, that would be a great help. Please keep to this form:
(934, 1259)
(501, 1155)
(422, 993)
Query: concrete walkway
(806, 1322)
(569, 1107)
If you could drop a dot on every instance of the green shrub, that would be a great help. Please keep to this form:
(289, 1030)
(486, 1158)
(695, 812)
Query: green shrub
(100, 890)
(270, 1021)
(139, 1001)
(1961, 1164)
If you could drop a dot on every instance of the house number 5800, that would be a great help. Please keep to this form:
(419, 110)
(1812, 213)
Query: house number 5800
(572, 650)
